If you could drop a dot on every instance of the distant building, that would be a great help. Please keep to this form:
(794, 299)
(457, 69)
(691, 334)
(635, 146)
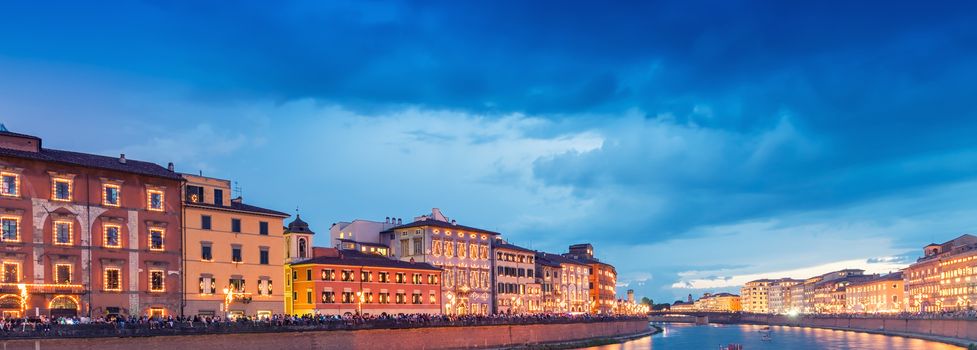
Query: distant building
(602, 281)
(754, 296)
(682, 306)
(233, 255)
(721, 302)
(830, 291)
(779, 295)
(884, 294)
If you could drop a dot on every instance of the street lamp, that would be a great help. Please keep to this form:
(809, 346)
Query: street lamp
(359, 303)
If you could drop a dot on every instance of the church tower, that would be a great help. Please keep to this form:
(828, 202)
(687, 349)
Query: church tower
(298, 240)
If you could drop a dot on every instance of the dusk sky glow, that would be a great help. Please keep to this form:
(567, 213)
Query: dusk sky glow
(697, 145)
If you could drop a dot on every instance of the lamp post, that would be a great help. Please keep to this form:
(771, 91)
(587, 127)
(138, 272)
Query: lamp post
(359, 303)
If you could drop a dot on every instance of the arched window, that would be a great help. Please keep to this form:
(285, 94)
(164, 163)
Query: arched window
(301, 247)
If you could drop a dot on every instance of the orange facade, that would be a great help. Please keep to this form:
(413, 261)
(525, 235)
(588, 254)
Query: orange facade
(86, 235)
(351, 282)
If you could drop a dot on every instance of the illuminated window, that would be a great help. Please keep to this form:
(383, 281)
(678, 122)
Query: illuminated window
(9, 184)
(236, 284)
(156, 282)
(154, 200)
(110, 195)
(11, 272)
(61, 190)
(62, 273)
(112, 239)
(62, 233)
(156, 239)
(113, 279)
(436, 247)
(11, 229)
(328, 297)
(208, 285)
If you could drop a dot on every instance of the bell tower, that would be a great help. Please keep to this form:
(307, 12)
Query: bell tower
(298, 240)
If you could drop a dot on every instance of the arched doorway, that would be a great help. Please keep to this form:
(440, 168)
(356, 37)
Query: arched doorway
(11, 305)
(63, 306)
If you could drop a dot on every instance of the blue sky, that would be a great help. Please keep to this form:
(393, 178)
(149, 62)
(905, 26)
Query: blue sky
(696, 144)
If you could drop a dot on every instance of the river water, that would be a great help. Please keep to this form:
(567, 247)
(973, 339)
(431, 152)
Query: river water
(710, 337)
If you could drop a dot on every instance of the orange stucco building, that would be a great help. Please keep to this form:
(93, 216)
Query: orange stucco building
(85, 234)
(339, 282)
(235, 252)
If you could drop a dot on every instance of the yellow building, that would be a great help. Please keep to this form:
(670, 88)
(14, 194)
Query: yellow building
(885, 294)
(722, 302)
(755, 296)
(233, 253)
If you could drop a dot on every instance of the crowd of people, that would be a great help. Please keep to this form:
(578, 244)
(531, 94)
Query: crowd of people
(123, 326)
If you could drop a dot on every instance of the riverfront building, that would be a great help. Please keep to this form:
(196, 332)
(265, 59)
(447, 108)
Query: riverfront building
(86, 235)
(754, 296)
(602, 280)
(885, 294)
(463, 252)
(234, 252)
(721, 302)
(944, 278)
(517, 290)
(570, 284)
(344, 282)
(547, 276)
(779, 295)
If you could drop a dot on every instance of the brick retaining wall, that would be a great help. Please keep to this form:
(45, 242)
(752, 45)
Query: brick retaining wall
(431, 338)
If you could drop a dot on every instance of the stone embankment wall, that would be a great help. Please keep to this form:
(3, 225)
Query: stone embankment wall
(959, 329)
(416, 338)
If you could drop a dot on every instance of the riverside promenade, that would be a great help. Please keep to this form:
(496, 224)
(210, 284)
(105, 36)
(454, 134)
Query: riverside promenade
(453, 334)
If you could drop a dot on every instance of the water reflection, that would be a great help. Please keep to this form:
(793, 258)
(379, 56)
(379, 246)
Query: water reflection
(686, 336)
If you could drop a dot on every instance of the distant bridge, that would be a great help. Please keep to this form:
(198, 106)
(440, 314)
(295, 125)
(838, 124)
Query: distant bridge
(697, 317)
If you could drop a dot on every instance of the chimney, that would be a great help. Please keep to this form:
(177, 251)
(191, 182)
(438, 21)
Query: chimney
(453, 222)
(387, 220)
(400, 221)
(122, 158)
(170, 167)
(237, 200)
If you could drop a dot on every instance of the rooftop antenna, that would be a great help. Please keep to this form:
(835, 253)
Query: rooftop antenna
(237, 189)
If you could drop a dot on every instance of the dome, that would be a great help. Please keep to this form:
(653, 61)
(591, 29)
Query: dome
(298, 226)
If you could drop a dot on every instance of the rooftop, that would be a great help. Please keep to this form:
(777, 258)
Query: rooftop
(240, 207)
(87, 160)
(441, 224)
(355, 258)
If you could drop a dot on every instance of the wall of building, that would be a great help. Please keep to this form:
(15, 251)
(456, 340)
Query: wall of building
(418, 338)
(87, 254)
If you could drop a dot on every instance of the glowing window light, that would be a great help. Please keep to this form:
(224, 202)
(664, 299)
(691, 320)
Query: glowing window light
(154, 200)
(111, 195)
(157, 281)
(62, 233)
(61, 189)
(111, 237)
(11, 228)
(156, 236)
(10, 184)
(112, 280)
(62, 273)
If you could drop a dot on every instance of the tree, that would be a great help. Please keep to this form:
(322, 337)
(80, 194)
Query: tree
(646, 301)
